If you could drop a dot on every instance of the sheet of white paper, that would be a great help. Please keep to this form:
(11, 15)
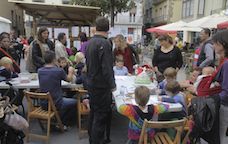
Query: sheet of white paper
(68, 43)
(50, 33)
(61, 30)
(85, 30)
(75, 31)
(77, 45)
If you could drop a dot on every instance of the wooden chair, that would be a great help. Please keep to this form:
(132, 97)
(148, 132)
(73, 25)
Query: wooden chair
(162, 137)
(36, 112)
(82, 110)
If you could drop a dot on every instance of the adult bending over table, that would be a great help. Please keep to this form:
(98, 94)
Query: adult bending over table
(166, 56)
(50, 77)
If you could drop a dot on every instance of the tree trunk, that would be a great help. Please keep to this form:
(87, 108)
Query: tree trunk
(112, 12)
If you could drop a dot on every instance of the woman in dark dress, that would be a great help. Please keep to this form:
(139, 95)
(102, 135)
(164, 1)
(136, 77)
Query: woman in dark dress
(167, 55)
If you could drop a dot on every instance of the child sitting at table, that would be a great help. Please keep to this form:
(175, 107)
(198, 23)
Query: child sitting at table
(62, 62)
(119, 68)
(192, 79)
(173, 96)
(137, 113)
(6, 69)
(170, 74)
(79, 62)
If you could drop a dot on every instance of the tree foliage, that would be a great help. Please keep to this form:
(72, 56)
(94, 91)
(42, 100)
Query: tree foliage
(105, 5)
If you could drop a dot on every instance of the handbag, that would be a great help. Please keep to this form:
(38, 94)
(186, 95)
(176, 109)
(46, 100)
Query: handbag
(204, 88)
(11, 118)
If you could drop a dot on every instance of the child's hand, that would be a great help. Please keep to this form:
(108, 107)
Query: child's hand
(71, 70)
(157, 91)
(86, 103)
(129, 74)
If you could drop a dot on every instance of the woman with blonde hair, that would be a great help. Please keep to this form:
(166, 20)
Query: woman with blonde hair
(130, 56)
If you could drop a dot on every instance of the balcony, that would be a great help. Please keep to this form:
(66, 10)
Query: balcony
(160, 19)
(42, 1)
(156, 2)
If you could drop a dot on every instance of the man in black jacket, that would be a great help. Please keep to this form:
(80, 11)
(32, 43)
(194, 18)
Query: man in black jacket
(101, 82)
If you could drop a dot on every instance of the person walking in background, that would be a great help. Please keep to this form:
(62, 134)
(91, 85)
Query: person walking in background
(101, 81)
(39, 47)
(60, 46)
(84, 42)
(207, 53)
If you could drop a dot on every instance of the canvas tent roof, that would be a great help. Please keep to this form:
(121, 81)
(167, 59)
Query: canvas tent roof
(69, 14)
(210, 21)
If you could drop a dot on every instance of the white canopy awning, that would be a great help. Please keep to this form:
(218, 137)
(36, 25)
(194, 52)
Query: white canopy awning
(210, 21)
(4, 20)
(178, 26)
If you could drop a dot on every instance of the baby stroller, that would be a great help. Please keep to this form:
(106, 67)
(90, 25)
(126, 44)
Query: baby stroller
(9, 135)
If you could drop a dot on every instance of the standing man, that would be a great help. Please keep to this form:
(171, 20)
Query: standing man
(207, 54)
(101, 80)
(60, 46)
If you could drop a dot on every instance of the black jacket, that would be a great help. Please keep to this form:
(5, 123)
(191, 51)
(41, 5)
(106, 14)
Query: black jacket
(37, 56)
(202, 55)
(99, 62)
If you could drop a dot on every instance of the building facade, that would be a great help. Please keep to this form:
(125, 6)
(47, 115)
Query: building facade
(14, 14)
(165, 11)
(195, 9)
(130, 23)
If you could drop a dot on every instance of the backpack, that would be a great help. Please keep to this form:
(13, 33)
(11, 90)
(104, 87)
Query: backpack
(205, 112)
(204, 88)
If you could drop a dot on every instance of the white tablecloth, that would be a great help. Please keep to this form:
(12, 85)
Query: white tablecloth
(128, 83)
(33, 84)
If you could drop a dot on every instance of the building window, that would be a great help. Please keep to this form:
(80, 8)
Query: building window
(160, 12)
(116, 18)
(188, 8)
(130, 30)
(156, 13)
(201, 7)
(65, 1)
(130, 17)
(133, 17)
(165, 10)
(150, 13)
(38, 1)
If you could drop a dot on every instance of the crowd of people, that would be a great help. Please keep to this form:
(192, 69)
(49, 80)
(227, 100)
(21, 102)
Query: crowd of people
(96, 64)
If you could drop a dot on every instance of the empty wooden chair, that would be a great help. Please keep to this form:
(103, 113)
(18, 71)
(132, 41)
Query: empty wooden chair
(82, 110)
(162, 137)
(36, 112)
